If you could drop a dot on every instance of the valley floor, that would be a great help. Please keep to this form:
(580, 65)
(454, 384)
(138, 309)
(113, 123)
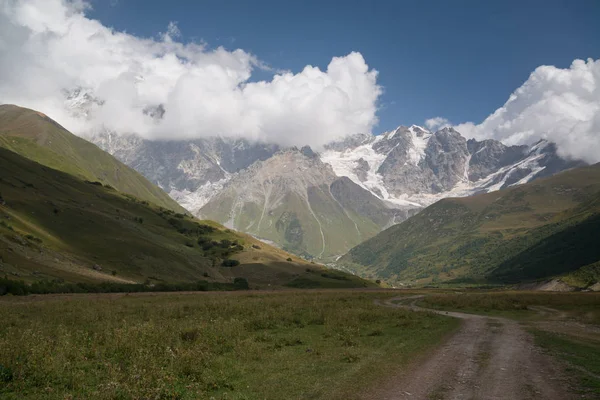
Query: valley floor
(227, 345)
(314, 344)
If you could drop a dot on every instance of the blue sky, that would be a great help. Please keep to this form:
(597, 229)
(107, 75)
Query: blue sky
(456, 59)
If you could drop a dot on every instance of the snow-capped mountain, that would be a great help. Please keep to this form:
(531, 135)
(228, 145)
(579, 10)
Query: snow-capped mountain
(412, 166)
(191, 171)
(299, 199)
(345, 194)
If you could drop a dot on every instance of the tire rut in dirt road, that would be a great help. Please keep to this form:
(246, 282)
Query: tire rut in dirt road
(488, 358)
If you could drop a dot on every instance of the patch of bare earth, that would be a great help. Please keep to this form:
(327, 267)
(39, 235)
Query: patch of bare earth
(488, 358)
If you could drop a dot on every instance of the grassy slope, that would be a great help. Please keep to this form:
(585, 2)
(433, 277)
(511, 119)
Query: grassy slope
(581, 356)
(584, 276)
(503, 235)
(293, 345)
(54, 225)
(41, 139)
(345, 214)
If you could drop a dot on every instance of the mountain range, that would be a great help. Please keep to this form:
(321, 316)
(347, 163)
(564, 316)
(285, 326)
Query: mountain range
(407, 206)
(321, 204)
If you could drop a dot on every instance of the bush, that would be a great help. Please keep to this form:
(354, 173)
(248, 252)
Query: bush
(96, 183)
(7, 226)
(230, 263)
(189, 335)
(289, 259)
(33, 238)
(241, 284)
(17, 288)
(6, 374)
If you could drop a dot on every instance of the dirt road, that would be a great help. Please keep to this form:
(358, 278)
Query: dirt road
(488, 358)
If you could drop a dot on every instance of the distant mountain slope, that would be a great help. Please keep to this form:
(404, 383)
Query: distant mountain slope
(191, 171)
(54, 225)
(539, 229)
(41, 139)
(296, 200)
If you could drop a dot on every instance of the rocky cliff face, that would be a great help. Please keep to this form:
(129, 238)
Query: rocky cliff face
(191, 171)
(411, 165)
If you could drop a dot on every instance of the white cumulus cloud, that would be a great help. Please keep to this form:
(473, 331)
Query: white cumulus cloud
(437, 123)
(49, 46)
(560, 105)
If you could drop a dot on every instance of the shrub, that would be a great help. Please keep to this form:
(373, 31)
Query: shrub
(7, 226)
(96, 183)
(289, 259)
(6, 374)
(241, 284)
(33, 238)
(255, 246)
(230, 263)
(189, 335)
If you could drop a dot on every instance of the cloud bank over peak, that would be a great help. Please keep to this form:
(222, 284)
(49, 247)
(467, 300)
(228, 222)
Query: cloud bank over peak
(437, 123)
(50, 51)
(560, 105)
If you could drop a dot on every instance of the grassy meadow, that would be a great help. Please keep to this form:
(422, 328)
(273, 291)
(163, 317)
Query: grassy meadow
(291, 345)
(582, 306)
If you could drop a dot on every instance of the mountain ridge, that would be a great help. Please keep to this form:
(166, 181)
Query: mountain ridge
(290, 199)
(37, 137)
(497, 236)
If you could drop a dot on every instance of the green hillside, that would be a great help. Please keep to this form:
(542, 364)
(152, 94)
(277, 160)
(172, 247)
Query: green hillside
(55, 226)
(541, 229)
(39, 138)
